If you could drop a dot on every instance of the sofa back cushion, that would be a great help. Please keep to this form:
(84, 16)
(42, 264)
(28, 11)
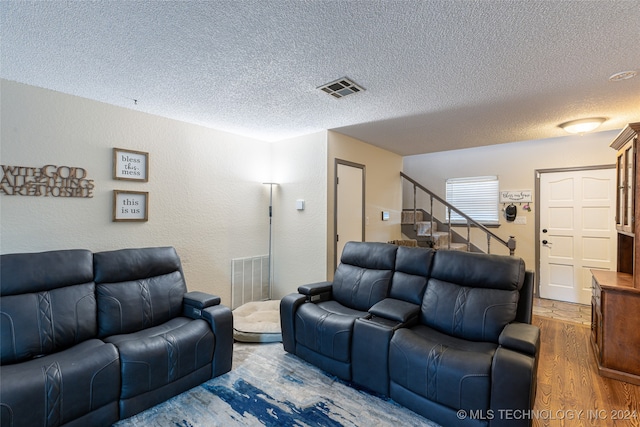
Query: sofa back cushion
(364, 274)
(47, 303)
(472, 296)
(137, 289)
(412, 269)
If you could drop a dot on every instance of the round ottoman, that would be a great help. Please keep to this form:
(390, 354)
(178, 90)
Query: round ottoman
(257, 321)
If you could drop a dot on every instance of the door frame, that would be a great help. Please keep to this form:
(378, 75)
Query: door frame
(335, 203)
(537, 173)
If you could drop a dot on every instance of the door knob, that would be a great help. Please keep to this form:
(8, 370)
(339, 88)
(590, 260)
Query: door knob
(544, 230)
(544, 242)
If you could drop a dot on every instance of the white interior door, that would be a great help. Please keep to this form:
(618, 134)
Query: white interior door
(349, 206)
(577, 231)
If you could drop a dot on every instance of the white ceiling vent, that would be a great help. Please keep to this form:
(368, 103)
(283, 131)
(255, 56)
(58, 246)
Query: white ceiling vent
(341, 88)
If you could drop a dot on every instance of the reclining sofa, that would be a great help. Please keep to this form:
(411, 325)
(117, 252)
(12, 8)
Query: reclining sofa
(444, 333)
(91, 338)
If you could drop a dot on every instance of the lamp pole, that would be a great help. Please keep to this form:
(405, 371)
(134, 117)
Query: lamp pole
(270, 184)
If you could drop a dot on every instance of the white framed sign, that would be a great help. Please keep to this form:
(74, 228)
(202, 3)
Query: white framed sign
(130, 205)
(130, 165)
(514, 196)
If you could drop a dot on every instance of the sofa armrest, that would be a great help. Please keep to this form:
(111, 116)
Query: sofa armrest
(220, 319)
(395, 309)
(513, 387)
(513, 373)
(521, 337)
(315, 292)
(193, 303)
(288, 307)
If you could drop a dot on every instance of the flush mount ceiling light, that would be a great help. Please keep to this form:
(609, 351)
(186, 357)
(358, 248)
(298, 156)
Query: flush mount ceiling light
(341, 88)
(623, 75)
(583, 125)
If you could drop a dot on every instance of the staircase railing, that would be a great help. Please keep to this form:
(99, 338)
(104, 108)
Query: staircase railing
(509, 244)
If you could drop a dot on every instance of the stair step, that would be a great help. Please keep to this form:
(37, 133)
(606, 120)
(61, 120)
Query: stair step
(440, 239)
(407, 217)
(424, 228)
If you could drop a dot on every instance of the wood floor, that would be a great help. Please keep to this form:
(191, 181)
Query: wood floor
(570, 391)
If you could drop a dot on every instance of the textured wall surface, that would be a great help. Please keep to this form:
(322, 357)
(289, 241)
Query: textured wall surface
(206, 191)
(206, 195)
(299, 245)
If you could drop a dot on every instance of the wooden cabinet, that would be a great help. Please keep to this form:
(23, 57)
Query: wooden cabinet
(626, 143)
(615, 304)
(615, 321)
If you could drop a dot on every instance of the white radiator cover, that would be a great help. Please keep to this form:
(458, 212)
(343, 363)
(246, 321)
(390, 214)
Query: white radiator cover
(249, 280)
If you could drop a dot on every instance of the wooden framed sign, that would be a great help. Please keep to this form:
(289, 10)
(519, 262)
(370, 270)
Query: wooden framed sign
(130, 165)
(130, 205)
(512, 196)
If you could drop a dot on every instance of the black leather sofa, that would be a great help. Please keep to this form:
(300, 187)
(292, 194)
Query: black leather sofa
(91, 338)
(447, 334)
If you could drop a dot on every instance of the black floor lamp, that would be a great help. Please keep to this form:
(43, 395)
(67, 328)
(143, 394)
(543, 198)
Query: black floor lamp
(270, 184)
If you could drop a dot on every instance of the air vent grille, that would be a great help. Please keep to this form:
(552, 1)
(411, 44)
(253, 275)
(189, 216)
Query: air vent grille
(341, 88)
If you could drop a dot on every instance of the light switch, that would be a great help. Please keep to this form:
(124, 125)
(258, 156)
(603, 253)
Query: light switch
(300, 204)
(385, 216)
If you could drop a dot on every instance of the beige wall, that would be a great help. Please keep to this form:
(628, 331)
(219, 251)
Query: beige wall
(514, 164)
(299, 236)
(383, 189)
(206, 195)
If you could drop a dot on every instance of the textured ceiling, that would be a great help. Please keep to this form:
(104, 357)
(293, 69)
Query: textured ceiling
(438, 75)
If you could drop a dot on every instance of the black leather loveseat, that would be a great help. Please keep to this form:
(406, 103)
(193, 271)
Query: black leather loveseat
(91, 338)
(444, 333)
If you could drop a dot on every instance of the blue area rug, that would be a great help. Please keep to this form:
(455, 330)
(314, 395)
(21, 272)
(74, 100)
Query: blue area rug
(269, 387)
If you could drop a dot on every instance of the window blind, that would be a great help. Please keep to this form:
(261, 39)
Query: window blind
(476, 196)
